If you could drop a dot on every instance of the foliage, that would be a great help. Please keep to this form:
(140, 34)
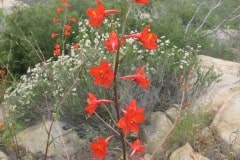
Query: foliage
(25, 36)
(26, 31)
(42, 90)
(56, 88)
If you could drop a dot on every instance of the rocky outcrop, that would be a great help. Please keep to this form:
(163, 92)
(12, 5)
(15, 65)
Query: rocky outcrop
(229, 82)
(3, 156)
(223, 99)
(7, 5)
(186, 152)
(63, 142)
(226, 123)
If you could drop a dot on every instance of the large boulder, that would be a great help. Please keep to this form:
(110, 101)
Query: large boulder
(3, 156)
(223, 100)
(226, 124)
(216, 95)
(186, 152)
(63, 142)
(7, 5)
(157, 129)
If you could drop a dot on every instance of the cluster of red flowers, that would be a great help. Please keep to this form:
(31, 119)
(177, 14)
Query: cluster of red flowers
(2, 75)
(103, 74)
(67, 26)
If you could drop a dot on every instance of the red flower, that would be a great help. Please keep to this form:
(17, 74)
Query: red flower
(2, 78)
(68, 27)
(73, 20)
(102, 74)
(64, 1)
(57, 52)
(133, 116)
(67, 5)
(57, 46)
(54, 35)
(55, 20)
(67, 33)
(99, 147)
(96, 15)
(112, 43)
(147, 39)
(141, 1)
(136, 147)
(93, 103)
(59, 9)
(75, 46)
(140, 78)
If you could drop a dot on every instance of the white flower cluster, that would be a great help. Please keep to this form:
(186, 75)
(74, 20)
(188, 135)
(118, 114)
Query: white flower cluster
(45, 79)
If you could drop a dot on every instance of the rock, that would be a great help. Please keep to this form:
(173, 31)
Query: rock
(147, 156)
(3, 156)
(172, 113)
(34, 140)
(186, 153)
(226, 124)
(216, 95)
(7, 5)
(156, 130)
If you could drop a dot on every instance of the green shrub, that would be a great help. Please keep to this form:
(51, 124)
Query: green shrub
(26, 36)
(61, 86)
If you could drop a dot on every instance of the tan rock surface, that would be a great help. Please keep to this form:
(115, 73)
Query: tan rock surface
(186, 153)
(217, 94)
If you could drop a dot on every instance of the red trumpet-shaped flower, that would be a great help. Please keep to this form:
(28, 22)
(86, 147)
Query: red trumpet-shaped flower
(57, 46)
(102, 74)
(140, 78)
(73, 20)
(141, 1)
(55, 20)
(75, 46)
(67, 33)
(96, 15)
(93, 103)
(112, 43)
(137, 147)
(54, 35)
(133, 116)
(57, 50)
(67, 27)
(99, 147)
(59, 9)
(67, 5)
(146, 38)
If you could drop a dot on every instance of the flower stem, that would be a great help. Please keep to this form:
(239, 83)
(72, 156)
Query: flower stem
(117, 103)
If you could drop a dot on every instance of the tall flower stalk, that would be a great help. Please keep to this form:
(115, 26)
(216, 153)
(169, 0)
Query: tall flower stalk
(132, 115)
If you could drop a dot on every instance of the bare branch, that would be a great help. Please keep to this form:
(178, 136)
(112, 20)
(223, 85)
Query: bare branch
(223, 21)
(208, 14)
(190, 22)
(234, 17)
